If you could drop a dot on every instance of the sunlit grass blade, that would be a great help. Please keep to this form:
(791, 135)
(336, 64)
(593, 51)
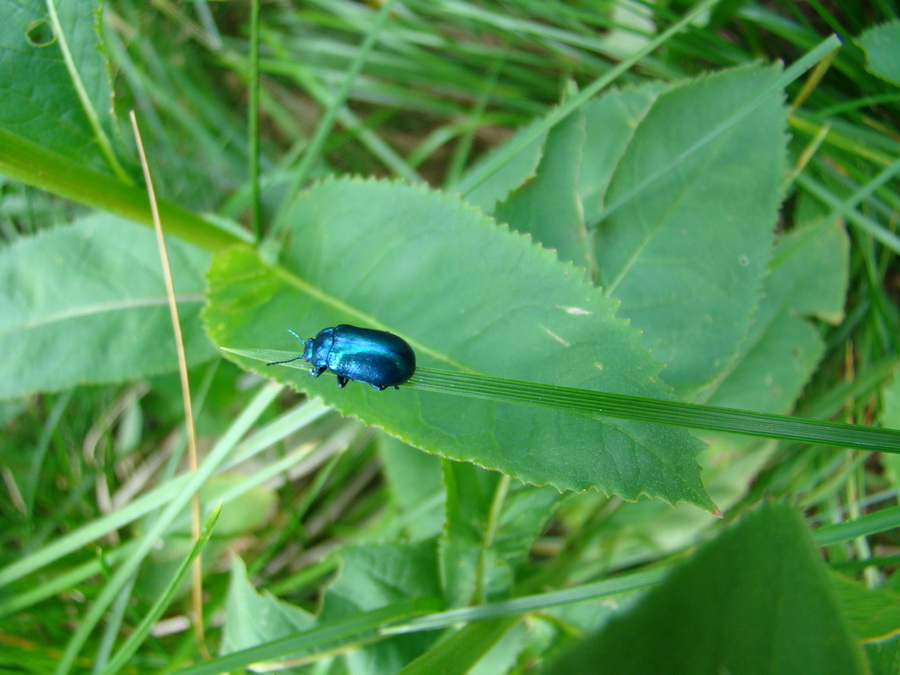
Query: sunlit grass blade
(131, 645)
(605, 404)
(288, 423)
(360, 628)
(532, 603)
(623, 406)
(215, 458)
(884, 520)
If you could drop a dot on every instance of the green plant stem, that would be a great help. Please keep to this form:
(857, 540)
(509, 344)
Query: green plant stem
(30, 163)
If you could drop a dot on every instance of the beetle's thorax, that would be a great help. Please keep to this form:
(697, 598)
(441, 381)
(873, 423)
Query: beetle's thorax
(318, 348)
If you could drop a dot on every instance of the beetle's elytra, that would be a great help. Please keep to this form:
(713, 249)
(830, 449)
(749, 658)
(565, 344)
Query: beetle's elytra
(375, 357)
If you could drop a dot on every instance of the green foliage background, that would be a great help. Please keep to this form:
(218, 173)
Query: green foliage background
(558, 193)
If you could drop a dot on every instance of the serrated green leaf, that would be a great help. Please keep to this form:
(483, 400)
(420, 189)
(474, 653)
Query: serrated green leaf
(471, 296)
(611, 121)
(882, 56)
(86, 304)
(783, 348)
(549, 206)
(688, 218)
(755, 600)
(513, 174)
(38, 100)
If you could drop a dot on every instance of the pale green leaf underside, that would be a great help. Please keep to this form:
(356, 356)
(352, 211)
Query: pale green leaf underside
(86, 304)
(468, 295)
(515, 172)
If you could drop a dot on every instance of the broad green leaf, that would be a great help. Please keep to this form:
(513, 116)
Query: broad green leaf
(252, 618)
(882, 55)
(490, 526)
(755, 600)
(86, 304)
(465, 543)
(807, 277)
(778, 357)
(38, 99)
(549, 206)
(468, 295)
(611, 121)
(688, 218)
(513, 174)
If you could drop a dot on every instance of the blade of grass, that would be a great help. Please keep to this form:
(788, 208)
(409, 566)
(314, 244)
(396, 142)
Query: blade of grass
(286, 424)
(847, 207)
(327, 123)
(357, 627)
(533, 603)
(607, 404)
(142, 630)
(253, 123)
(885, 520)
(193, 462)
(216, 457)
(52, 586)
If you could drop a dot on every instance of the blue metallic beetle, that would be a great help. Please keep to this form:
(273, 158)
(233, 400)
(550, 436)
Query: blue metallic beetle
(375, 357)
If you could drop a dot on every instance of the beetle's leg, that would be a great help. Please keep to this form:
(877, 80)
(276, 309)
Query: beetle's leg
(342, 381)
(379, 387)
(315, 372)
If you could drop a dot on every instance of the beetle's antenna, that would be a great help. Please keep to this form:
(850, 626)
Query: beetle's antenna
(296, 358)
(275, 363)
